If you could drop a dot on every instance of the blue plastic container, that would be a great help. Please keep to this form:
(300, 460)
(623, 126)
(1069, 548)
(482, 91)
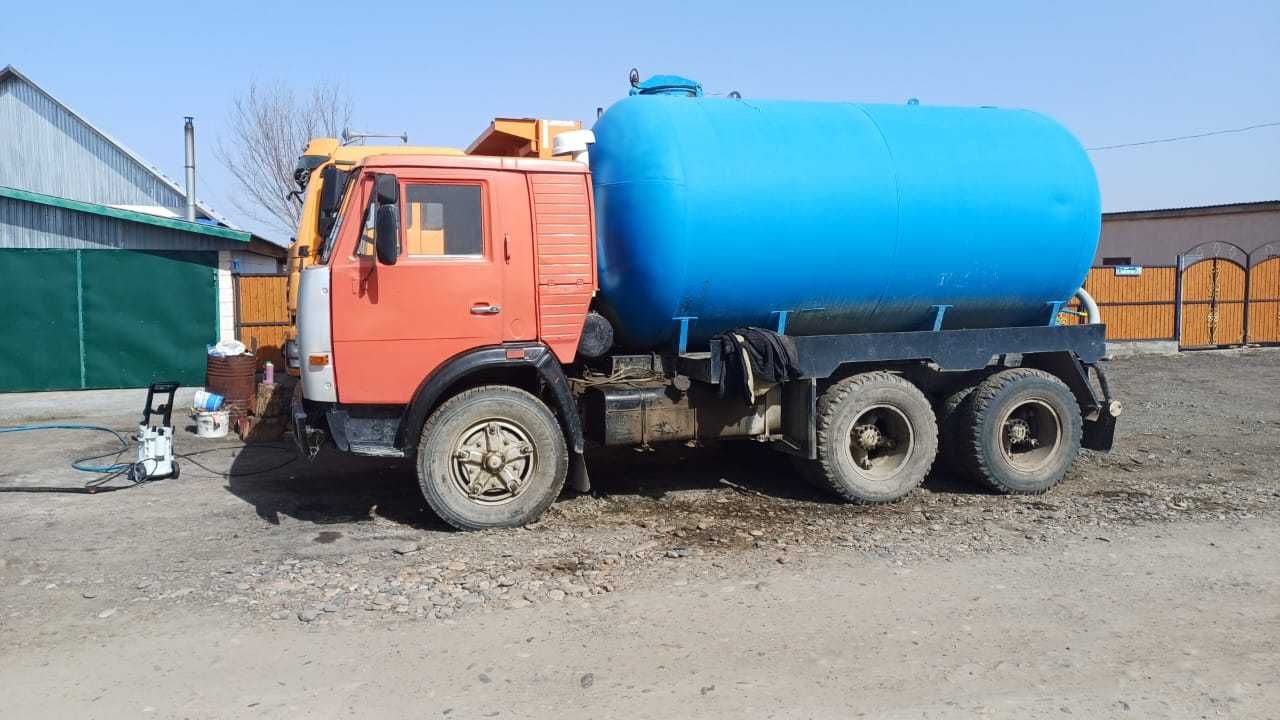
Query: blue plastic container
(834, 217)
(207, 401)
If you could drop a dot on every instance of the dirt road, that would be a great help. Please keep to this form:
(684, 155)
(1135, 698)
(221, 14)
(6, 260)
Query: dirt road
(1173, 622)
(693, 583)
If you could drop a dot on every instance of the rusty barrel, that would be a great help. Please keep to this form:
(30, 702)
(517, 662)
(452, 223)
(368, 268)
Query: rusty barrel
(233, 378)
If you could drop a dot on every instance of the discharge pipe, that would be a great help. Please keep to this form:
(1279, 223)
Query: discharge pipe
(1090, 307)
(189, 130)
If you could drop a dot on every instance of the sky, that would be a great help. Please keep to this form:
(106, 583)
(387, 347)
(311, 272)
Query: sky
(1111, 72)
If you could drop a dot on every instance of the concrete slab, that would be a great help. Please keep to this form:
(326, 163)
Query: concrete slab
(37, 407)
(1131, 348)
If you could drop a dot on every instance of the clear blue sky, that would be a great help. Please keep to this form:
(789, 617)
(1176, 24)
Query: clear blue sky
(1112, 72)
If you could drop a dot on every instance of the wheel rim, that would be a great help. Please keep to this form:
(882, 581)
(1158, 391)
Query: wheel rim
(493, 461)
(880, 441)
(1030, 434)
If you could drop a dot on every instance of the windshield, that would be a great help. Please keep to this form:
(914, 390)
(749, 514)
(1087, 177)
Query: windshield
(331, 237)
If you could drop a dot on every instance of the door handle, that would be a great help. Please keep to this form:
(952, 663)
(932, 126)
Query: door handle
(485, 309)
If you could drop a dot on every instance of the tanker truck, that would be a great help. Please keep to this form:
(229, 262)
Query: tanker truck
(872, 289)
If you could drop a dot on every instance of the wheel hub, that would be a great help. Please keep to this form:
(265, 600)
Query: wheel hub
(1019, 431)
(1031, 435)
(868, 436)
(493, 461)
(880, 441)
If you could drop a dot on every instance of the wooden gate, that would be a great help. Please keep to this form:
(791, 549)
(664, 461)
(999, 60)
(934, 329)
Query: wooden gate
(1264, 301)
(262, 315)
(1213, 302)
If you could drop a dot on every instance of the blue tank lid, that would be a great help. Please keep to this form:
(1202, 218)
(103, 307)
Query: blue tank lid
(665, 85)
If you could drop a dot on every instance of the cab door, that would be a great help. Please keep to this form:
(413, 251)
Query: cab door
(395, 324)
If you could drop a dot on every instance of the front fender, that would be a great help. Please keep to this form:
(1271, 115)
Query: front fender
(515, 355)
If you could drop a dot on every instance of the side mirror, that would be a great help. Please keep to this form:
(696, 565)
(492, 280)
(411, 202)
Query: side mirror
(386, 188)
(386, 231)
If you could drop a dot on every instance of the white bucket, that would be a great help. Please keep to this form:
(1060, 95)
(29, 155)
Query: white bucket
(212, 424)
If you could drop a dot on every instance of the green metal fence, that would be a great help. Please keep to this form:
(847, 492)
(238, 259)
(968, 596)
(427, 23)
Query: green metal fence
(105, 318)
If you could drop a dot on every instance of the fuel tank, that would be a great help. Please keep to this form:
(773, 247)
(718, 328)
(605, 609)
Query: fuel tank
(834, 217)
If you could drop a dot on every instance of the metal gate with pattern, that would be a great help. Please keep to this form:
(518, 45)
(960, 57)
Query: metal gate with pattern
(1227, 296)
(1264, 294)
(1212, 303)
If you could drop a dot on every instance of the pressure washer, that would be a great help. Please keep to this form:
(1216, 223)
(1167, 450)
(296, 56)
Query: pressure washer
(155, 442)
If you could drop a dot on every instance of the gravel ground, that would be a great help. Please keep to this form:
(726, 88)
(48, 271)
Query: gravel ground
(348, 543)
(348, 540)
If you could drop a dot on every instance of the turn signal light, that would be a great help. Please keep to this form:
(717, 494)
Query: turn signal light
(318, 359)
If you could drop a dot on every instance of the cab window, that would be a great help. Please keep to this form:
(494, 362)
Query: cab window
(440, 220)
(365, 244)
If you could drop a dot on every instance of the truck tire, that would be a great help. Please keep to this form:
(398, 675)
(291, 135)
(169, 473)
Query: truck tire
(491, 457)
(952, 411)
(877, 438)
(1020, 432)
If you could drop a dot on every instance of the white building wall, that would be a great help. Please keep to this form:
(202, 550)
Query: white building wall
(226, 298)
(247, 263)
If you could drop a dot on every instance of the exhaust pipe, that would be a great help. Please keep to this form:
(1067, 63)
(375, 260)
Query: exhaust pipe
(189, 130)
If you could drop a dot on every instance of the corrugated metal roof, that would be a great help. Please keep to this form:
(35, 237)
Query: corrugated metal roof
(1223, 209)
(36, 226)
(121, 214)
(10, 71)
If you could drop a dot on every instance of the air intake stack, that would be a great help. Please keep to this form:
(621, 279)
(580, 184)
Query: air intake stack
(189, 130)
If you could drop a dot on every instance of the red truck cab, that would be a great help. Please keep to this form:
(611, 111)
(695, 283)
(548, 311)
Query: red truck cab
(491, 251)
(442, 272)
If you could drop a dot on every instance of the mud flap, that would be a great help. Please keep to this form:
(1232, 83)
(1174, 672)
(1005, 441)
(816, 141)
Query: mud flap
(578, 478)
(1099, 434)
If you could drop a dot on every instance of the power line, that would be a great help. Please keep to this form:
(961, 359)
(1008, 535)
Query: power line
(1211, 133)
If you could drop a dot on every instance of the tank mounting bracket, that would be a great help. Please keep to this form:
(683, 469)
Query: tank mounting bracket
(1055, 307)
(939, 312)
(684, 321)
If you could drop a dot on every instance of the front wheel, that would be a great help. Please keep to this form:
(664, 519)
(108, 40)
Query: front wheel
(491, 457)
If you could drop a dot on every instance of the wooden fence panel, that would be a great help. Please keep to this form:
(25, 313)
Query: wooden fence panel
(262, 315)
(1136, 307)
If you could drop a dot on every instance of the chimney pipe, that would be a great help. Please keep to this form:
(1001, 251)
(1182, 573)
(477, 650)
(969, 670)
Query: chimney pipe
(190, 131)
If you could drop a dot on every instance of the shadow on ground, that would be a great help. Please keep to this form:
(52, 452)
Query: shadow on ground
(332, 488)
(337, 488)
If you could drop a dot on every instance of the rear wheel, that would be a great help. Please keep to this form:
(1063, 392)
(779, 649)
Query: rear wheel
(1020, 432)
(877, 438)
(952, 411)
(490, 457)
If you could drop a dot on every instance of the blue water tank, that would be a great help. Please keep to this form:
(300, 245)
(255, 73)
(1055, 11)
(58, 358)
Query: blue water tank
(838, 217)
